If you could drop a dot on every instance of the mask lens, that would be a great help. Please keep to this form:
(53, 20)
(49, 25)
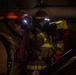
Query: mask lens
(47, 19)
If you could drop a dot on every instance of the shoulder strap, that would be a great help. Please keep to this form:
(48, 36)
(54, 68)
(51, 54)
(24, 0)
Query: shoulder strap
(6, 43)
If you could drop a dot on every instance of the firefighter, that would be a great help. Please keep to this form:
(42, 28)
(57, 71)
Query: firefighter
(12, 25)
(41, 48)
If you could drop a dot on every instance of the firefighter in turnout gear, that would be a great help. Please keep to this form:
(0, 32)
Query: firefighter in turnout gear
(12, 25)
(46, 39)
(40, 47)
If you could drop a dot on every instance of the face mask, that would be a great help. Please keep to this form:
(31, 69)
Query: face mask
(50, 29)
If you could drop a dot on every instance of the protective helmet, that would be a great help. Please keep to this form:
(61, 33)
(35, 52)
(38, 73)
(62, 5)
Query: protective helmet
(24, 20)
(42, 15)
(12, 19)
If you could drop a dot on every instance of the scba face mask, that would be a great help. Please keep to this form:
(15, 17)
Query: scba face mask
(25, 21)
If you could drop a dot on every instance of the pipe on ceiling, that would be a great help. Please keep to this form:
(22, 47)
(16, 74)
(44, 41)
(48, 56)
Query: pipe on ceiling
(64, 12)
